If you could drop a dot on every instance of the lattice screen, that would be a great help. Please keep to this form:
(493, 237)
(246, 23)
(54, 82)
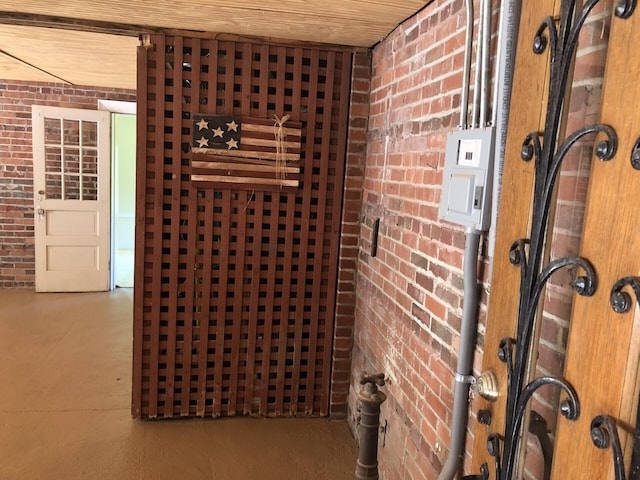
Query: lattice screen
(235, 287)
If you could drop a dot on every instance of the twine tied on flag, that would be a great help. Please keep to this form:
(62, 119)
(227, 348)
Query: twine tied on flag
(281, 147)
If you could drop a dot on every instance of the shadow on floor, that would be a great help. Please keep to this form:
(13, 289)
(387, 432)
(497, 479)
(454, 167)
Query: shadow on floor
(65, 366)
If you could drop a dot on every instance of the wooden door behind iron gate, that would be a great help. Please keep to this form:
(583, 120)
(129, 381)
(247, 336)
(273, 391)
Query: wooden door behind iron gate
(236, 273)
(598, 429)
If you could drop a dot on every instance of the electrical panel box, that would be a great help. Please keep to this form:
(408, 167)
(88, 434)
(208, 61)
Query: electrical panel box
(466, 183)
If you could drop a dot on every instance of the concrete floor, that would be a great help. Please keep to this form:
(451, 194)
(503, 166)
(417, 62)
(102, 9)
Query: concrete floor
(65, 371)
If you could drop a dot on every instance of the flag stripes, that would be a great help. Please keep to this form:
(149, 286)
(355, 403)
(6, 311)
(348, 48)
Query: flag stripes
(245, 172)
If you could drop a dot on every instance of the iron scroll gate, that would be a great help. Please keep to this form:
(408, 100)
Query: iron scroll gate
(236, 269)
(560, 40)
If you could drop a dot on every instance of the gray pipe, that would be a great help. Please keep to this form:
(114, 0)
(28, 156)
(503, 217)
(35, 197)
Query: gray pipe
(506, 60)
(508, 31)
(464, 368)
(486, 52)
(478, 70)
(464, 107)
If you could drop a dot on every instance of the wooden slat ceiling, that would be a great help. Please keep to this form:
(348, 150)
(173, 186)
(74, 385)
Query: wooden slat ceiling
(28, 49)
(77, 58)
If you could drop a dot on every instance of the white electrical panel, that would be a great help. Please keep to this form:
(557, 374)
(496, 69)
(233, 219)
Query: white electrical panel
(466, 183)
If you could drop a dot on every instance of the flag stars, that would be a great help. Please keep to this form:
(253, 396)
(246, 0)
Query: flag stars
(216, 132)
(203, 124)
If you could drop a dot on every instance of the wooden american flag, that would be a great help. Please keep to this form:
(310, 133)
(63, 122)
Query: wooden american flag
(245, 152)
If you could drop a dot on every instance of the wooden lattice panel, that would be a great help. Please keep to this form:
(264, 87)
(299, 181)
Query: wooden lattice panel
(234, 287)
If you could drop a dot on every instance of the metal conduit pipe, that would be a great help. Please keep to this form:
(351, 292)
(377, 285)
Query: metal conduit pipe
(464, 368)
(485, 18)
(477, 80)
(464, 107)
(505, 61)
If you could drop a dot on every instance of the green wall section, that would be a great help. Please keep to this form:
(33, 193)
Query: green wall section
(124, 199)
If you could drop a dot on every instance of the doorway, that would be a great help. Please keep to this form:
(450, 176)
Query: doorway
(123, 183)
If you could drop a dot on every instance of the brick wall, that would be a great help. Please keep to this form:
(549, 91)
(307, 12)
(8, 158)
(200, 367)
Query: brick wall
(17, 267)
(351, 207)
(409, 296)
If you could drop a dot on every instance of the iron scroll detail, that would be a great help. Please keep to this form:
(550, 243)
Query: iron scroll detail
(621, 300)
(635, 155)
(484, 474)
(538, 427)
(604, 434)
(634, 472)
(624, 8)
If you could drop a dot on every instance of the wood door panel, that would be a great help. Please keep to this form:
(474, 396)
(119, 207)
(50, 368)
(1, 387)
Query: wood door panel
(528, 101)
(602, 349)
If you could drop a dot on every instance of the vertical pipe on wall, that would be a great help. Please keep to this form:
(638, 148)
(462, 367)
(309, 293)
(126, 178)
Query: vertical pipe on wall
(464, 367)
(485, 81)
(508, 33)
(464, 107)
(477, 80)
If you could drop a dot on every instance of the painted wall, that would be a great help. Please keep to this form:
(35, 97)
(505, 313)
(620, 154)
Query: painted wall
(17, 253)
(124, 151)
(123, 174)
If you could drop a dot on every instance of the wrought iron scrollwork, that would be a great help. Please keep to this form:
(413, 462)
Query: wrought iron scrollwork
(635, 155)
(505, 354)
(621, 300)
(538, 427)
(493, 447)
(604, 434)
(624, 8)
(634, 472)
(484, 474)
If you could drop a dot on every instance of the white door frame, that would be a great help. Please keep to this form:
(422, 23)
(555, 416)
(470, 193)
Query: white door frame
(129, 108)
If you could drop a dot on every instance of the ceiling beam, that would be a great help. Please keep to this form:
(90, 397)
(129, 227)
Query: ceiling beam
(65, 23)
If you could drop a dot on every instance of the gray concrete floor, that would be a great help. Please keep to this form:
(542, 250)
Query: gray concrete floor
(65, 371)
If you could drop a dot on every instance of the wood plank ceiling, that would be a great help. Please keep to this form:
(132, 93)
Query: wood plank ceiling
(82, 51)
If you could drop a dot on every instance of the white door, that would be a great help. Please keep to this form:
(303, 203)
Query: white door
(71, 161)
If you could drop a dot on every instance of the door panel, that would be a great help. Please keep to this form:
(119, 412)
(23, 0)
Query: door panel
(71, 199)
(602, 349)
(596, 393)
(530, 83)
